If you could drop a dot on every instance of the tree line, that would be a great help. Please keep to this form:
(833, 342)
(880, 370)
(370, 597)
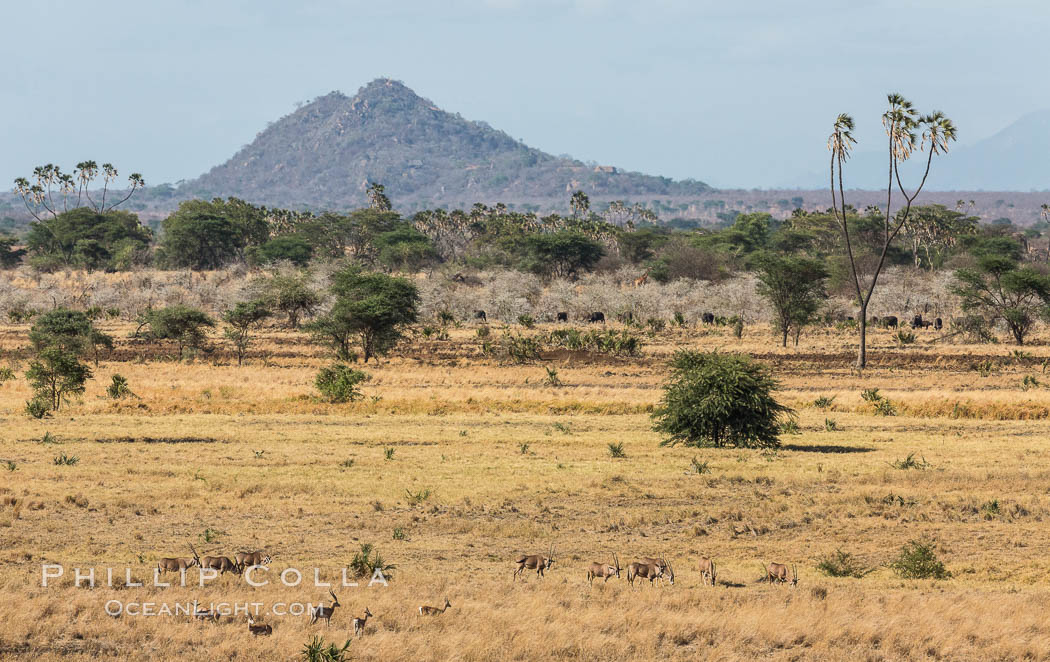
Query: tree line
(799, 260)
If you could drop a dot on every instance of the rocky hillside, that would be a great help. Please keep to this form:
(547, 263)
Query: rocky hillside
(325, 153)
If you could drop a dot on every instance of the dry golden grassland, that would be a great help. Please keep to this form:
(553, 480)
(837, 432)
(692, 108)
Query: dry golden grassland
(245, 457)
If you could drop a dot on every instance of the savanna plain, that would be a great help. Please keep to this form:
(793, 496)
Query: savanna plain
(455, 463)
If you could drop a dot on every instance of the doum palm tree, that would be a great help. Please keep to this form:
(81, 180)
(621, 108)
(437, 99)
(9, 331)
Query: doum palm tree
(906, 131)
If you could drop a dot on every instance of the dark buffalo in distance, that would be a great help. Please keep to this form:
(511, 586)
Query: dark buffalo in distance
(938, 324)
(480, 315)
(597, 316)
(918, 322)
(708, 318)
(563, 317)
(890, 321)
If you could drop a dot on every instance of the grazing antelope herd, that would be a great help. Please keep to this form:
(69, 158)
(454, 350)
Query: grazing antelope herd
(221, 564)
(654, 569)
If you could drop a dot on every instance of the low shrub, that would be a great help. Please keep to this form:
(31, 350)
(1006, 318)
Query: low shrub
(842, 564)
(339, 383)
(918, 560)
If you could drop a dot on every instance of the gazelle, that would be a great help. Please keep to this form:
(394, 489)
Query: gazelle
(179, 565)
(707, 572)
(432, 611)
(778, 572)
(604, 570)
(359, 623)
(320, 611)
(221, 563)
(535, 562)
(204, 614)
(258, 629)
(245, 559)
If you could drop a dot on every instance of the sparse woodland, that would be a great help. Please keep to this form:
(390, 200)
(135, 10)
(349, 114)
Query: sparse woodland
(444, 396)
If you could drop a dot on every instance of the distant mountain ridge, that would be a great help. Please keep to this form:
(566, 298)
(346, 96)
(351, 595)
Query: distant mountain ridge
(325, 153)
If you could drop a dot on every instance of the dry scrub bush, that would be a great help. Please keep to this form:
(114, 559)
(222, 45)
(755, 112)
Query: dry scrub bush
(505, 295)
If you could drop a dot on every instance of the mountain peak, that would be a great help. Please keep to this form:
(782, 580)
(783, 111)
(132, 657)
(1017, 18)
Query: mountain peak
(325, 153)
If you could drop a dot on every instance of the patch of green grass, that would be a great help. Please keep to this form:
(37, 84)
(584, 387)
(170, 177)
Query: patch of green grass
(823, 402)
(910, 462)
(419, 496)
(66, 460)
(700, 467)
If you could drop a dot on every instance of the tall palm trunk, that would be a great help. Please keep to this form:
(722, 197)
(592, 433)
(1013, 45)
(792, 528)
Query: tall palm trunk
(862, 352)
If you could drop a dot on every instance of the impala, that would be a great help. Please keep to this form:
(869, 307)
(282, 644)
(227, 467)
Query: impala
(432, 611)
(320, 611)
(179, 565)
(535, 562)
(604, 570)
(359, 623)
(260, 629)
(778, 572)
(707, 572)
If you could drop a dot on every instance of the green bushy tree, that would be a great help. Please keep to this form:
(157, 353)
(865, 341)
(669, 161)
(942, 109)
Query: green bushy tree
(794, 287)
(1000, 287)
(288, 248)
(719, 400)
(184, 325)
(560, 254)
(372, 308)
(55, 374)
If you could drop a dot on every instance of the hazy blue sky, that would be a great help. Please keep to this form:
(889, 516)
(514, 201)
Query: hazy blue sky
(732, 93)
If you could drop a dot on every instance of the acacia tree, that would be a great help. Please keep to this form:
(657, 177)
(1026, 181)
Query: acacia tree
(1001, 288)
(933, 230)
(903, 125)
(59, 338)
(289, 294)
(55, 375)
(795, 288)
(373, 308)
(241, 322)
(185, 325)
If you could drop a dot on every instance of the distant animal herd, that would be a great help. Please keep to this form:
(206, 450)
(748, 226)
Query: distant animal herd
(598, 317)
(653, 569)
